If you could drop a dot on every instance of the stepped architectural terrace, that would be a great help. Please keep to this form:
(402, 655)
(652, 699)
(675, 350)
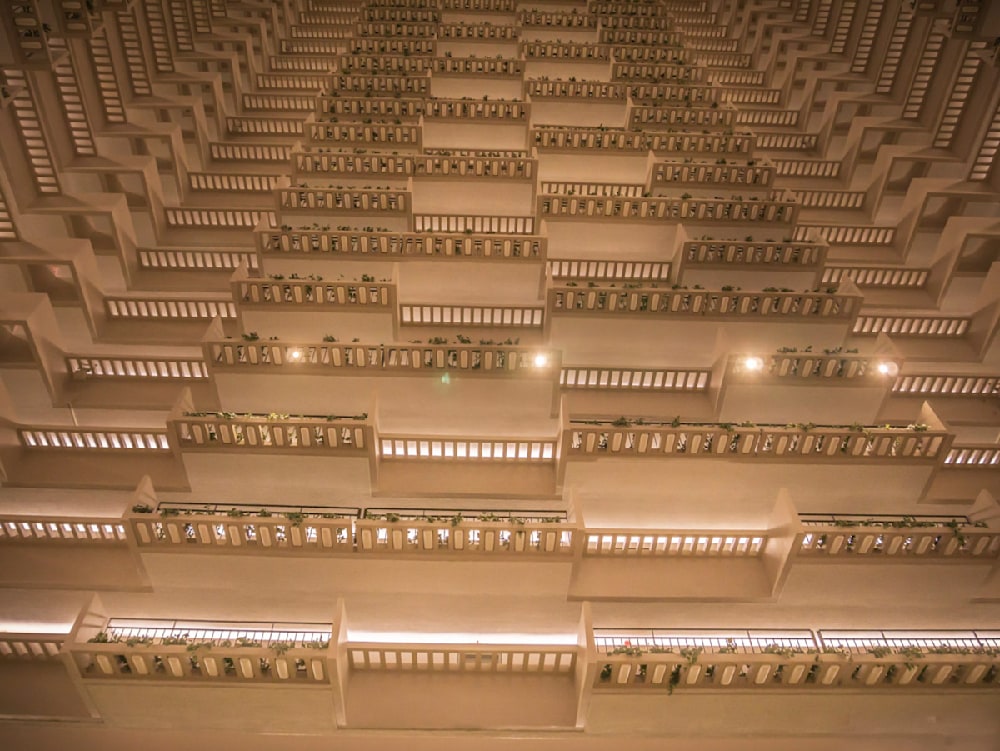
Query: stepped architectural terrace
(549, 374)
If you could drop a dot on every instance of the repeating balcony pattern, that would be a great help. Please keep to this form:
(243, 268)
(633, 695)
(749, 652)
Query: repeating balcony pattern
(682, 311)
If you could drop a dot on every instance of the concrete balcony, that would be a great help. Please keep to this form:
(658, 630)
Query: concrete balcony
(35, 681)
(305, 242)
(832, 660)
(96, 457)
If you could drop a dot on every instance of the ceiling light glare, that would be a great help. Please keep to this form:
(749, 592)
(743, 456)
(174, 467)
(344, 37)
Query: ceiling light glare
(887, 368)
(753, 363)
(541, 360)
(296, 354)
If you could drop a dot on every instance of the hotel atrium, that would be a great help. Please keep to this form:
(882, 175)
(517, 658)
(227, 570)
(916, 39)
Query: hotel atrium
(536, 374)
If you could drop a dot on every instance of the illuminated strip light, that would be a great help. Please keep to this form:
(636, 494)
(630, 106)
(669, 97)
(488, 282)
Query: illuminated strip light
(456, 638)
(518, 450)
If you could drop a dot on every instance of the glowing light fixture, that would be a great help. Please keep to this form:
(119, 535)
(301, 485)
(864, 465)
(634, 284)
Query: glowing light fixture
(753, 363)
(296, 354)
(887, 368)
(541, 360)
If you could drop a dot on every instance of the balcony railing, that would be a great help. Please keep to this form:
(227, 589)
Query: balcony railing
(688, 544)
(883, 277)
(894, 541)
(609, 271)
(474, 223)
(535, 18)
(170, 368)
(344, 200)
(372, 133)
(443, 243)
(361, 296)
(787, 141)
(505, 450)
(480, 6)
(268, 530)
(477, 66)
(680, 117)
(249, 152)
(386, 63)
(830, 367)
(382, 85)
(64, 529)
(462, 658)
(769, 254)
(461, 536)
(167, 309)
(940, 384)
(548, 50)
(371, 359)
(94, 439)
(592, 188)
(386, 47)
(733, 305)
(467, 110)
(183, 259)
(264, 433)
(31, 646)
(206, 652)
(640, 37)
(551, 138)
(635, 379)
(470, 32)
(685, 209)
(479, 316)
(763, 442)
(599, 91)
(672, 173)
(369, 107)
(668, 144)
(669, 660)
(215, 219)
(974, 456)
(917, 325)
(664, 94)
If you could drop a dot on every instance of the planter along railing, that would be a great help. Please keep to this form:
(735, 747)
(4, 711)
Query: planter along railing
(664, 301)
(459, 535)
(389, 202)
(344, 436)
(715, 660)
(291, 532)
(372, 245)
(697, 210)
(370, 359)
(668, 144)
(361, 296)
(904, 540)
(757, 442)
(236, 655)
(770, 254)
(324, 531)
(830, 367)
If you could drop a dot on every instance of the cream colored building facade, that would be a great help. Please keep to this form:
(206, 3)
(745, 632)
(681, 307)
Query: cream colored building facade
(445, 373)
